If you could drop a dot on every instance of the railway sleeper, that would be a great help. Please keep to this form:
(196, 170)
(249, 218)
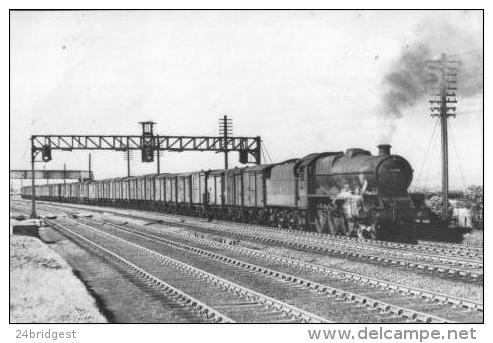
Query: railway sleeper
(343, 295)
(316, 287)
(465, 304)
(152, 281)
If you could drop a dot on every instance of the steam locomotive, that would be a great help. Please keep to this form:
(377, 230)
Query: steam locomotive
(351, 193)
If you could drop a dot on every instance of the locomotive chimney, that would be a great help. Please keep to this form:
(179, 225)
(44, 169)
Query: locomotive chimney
(384, 149)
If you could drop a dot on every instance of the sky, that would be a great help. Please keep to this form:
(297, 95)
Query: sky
(305, 81)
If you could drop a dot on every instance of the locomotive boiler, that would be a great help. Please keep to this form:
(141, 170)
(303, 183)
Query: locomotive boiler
(358, 194)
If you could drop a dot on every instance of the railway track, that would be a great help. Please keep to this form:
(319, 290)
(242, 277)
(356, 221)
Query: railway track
(387, 296)
(452, 250)
(295, 291)
(446, 266)
(197, 237)
(461, 249)
(196, 307)
(224, 301)
(437, 307)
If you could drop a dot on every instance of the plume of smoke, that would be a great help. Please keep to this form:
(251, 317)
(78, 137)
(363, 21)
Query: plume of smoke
(406, 82)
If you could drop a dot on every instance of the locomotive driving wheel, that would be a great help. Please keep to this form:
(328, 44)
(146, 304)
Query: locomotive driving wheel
(381, 231)
(291, 221)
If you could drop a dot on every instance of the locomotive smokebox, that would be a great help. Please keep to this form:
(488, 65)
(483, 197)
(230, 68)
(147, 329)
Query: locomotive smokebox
(384, 149)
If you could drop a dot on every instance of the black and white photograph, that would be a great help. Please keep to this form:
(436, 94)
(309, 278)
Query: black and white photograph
(246, 166)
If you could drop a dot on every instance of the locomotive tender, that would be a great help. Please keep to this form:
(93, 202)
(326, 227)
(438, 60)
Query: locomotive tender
(353, 193)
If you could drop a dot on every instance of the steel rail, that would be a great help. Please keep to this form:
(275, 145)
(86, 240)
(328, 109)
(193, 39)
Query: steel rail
(420, 255)
(453, 249)
(175, 294)
(341, 241)
(366, 280)
(433, 296)
(350, 252)
(275, 304)
(282, 276)
(426, 246)
(347, 251)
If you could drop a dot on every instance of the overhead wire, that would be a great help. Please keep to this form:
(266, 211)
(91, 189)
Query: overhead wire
(268, 154)
(458, 157)
(262, 153)
(427, 151)
(425, 182)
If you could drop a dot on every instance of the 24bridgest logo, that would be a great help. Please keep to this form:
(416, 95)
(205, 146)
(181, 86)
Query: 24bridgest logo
(45, 334)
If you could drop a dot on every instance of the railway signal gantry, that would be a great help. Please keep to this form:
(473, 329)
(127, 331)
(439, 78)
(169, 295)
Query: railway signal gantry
(148, 143)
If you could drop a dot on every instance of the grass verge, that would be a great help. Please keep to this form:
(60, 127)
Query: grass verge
(43, 288)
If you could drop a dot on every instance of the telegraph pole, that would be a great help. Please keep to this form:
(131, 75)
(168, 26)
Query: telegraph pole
(128, 157)
(89, 166)
(225, 129)
(47, 180)
(33, 188)
(444, 88)
(158, 155)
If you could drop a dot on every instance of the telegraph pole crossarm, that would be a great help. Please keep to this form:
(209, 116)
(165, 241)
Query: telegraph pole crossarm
(225, 130)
